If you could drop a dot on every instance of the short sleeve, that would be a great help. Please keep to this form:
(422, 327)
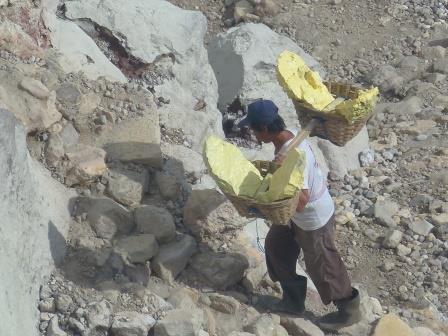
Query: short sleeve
(305, 174)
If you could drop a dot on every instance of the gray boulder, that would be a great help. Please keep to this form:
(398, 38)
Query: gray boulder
(173, 257)
(244, 60)
(219, 270)
(171, 39)
(138, 248)
(300, 327)
(97, 208)
(128, 186)
(208, 213)
(157, 221)
(168, 186)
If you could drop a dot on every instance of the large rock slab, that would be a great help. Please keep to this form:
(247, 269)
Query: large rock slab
(80, 53)
(35, 212)
(244, 60)
(173, 257)
(180, 322)
(170, 38)
(133, 140)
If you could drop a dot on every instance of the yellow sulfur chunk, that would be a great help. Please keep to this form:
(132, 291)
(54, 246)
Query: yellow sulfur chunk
(300, 82)
(287, 179)
(359, 107)
(264, 185)
(230, 169)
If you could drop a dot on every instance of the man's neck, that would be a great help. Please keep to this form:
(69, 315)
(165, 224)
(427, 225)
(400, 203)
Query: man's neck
(281, 138)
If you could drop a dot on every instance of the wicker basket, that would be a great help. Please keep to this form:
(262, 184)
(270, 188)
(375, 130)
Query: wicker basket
(334, 128)
(277, 213)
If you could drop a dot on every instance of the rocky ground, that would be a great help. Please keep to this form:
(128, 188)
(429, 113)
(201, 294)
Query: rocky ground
(153, 247)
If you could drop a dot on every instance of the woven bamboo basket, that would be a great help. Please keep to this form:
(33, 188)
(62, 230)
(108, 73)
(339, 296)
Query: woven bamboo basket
(277, 213)
(334, 128)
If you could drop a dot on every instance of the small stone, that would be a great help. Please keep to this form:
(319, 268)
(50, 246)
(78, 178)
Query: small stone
(384, 210)
(69, 135)
(35, 88)
(403, 250)
(86, 163)
(392, 239)
(68, 94)
(300, 326)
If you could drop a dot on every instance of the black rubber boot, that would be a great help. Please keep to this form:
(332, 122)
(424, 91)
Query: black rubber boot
(348, 313)
(293, 300)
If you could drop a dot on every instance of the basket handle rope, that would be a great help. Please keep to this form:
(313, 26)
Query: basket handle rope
(302, 135)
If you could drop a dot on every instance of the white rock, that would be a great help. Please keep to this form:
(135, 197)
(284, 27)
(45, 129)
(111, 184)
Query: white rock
(244, 60)
(80, 53)
(173, 39)
(69, 136)
(384, 210)
(157, 221)
(173, 258)
(341, 160)
(138, 248)
(129, 323)
(403, 250)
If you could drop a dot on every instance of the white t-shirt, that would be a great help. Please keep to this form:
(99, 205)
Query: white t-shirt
(320, 207)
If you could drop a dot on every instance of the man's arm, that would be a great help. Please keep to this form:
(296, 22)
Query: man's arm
(304, 198)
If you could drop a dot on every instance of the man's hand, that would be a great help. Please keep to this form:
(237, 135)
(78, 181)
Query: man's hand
(304, 198)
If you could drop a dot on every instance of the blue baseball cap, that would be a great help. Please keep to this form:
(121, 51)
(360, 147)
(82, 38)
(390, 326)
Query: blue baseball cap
(260, 112)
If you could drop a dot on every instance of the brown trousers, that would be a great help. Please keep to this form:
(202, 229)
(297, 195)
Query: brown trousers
(323, 262)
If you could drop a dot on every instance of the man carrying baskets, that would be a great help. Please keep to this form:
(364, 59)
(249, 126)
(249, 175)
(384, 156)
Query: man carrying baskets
(311, 230)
